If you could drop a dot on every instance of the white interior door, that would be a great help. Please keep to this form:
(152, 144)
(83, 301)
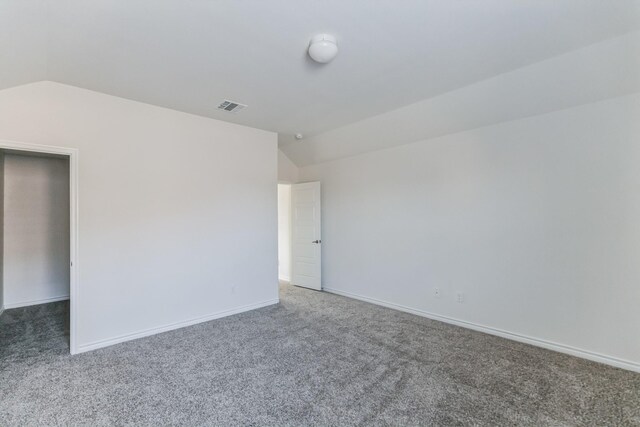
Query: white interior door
(305, 235)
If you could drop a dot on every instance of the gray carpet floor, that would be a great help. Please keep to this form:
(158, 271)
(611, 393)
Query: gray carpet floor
(313, 359)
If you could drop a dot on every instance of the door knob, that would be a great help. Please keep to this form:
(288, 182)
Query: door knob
(317, 241)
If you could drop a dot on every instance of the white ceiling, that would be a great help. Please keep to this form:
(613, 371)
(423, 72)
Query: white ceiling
(23, 48)
(597, 72)
(189, 55)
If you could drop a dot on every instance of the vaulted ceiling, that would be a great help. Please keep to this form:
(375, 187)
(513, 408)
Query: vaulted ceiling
(190, 55)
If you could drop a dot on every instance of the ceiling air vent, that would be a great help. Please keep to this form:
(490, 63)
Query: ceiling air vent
(231, 106)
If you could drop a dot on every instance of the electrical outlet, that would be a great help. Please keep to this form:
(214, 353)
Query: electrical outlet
(437, 293)
(460, 297)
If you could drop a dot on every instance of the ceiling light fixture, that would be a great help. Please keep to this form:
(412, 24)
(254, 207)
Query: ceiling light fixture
(323, 48)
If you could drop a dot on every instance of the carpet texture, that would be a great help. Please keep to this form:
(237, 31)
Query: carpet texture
(313, 359)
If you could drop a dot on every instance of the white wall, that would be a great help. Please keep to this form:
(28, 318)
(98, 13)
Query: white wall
(284, 232)
(36, 229)
(177, 213)
(535, 221)
(287, 171)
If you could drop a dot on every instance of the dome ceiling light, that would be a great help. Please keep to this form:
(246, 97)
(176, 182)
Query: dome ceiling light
(323, 48)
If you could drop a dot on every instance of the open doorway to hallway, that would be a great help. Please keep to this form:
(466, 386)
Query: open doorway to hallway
(284, 233)
(299, 235)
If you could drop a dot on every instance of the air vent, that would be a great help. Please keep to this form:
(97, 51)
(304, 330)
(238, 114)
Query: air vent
(231, 106)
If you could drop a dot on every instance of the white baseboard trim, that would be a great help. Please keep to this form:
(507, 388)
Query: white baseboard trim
(153, 331)
(549, 345)
(35, 302)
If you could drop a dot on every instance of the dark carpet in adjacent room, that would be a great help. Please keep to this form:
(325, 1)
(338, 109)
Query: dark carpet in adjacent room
(313, 359)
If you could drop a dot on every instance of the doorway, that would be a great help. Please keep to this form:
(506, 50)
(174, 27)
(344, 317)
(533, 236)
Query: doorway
(299, 234)
(38, 239)
(284, 233)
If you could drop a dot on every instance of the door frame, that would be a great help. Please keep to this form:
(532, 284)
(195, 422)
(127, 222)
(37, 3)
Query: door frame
(74, 267)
